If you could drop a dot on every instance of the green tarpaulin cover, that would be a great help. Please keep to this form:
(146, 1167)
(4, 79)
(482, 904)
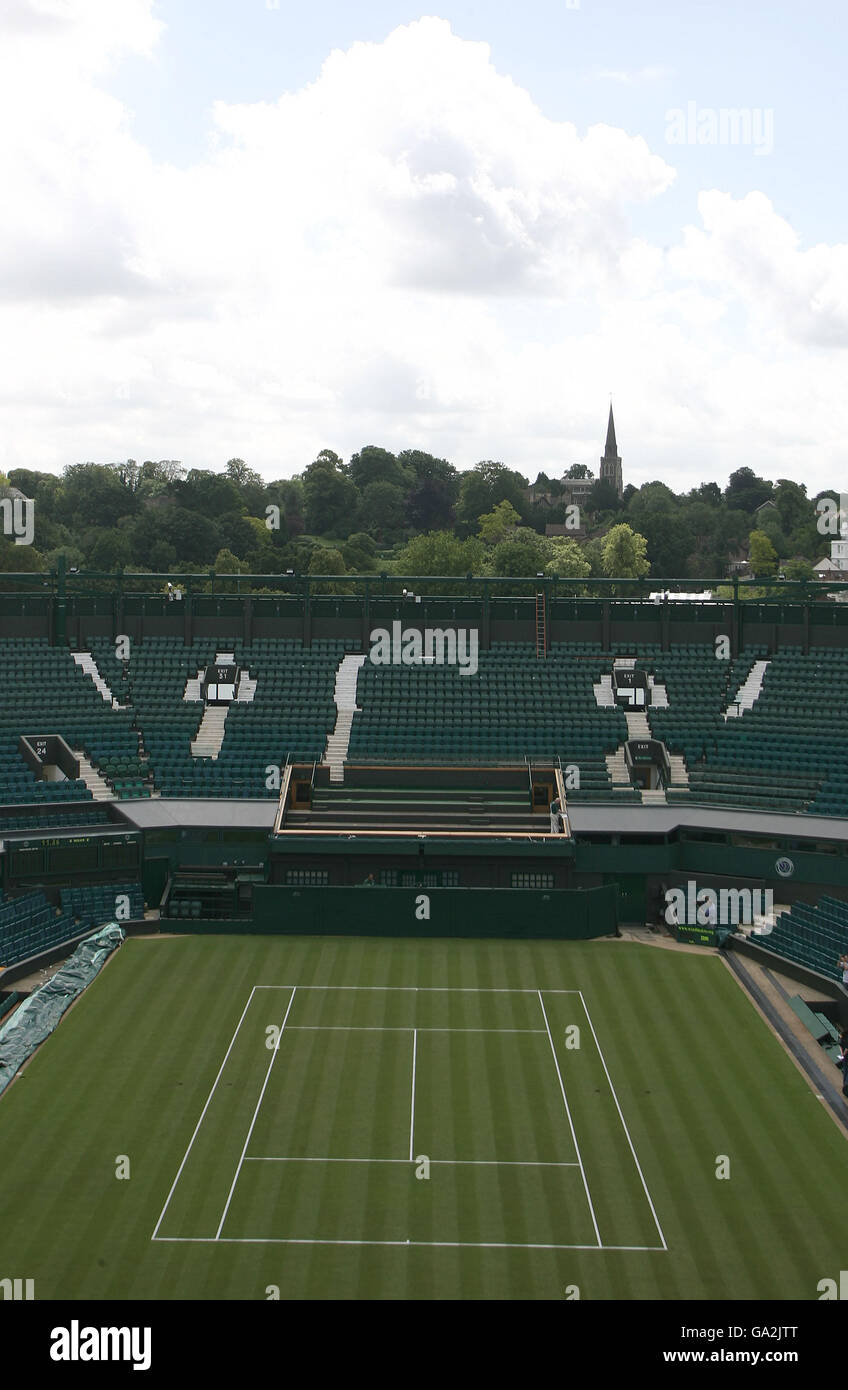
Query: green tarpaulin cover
(36, 1018)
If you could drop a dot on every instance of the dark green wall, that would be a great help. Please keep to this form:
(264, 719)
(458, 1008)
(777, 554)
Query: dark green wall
(560, 915)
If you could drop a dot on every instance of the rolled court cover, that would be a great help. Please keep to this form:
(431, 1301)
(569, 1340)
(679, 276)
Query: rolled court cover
(36, 1018)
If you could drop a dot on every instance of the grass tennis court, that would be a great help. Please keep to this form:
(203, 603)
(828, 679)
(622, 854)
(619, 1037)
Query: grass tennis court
(348, 1118)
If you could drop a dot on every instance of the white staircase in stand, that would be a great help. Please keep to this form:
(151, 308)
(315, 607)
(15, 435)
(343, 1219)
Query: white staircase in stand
(677, 767)
(246, 687)
(749, 692)
(338, 741)
(604, 696)
(96, 784)
(617, 768)
(87, 664)
(210, 735)
(193, 686)
(637, 724)
(659, 694)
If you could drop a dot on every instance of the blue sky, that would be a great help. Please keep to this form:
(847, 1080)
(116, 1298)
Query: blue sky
(240, 228)
(755, 54)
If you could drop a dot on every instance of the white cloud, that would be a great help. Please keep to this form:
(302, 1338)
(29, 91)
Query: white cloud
(633, 76)
(406, 252)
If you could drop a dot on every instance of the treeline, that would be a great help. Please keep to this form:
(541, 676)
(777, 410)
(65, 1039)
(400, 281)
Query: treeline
(407, 513)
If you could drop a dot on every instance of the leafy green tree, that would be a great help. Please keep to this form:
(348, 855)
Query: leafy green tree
(603, 497)
(524, 553)
(658, 515)
(483, 486)
(440, 552)
(111, 550)
(210, 494)
(157, 476)
(745, 491)
(26, 480)
(195, 538)
(328, 560)
(431, 498)
(762, 555)
(578, 470)
(567, 559)
(331, 499)
(798, 568)
(375, 465)
(162, 556)
(624, 553)
(90, 490)
(381, 511)
(226, 562)
(237, 532)
(359, 552)
(496, 524)
(249, 483)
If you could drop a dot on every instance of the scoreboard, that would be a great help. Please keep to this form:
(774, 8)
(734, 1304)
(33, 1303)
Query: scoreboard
(66, 856)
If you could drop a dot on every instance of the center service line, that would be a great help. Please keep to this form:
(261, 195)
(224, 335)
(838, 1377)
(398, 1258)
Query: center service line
(255, 1113)
(412, 1111)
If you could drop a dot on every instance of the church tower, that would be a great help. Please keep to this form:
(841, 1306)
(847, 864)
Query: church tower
(610, 462)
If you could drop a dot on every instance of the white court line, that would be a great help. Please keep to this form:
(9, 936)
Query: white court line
(255, 1113)
(405, 1028)
(623, 1121)
(445, 1162)
(412, 1109)
(568, 1113)
(426, 989)
(202, 1113)
(403, 1244)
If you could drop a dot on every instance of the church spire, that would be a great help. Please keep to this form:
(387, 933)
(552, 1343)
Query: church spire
(610, 462)
(611, 450)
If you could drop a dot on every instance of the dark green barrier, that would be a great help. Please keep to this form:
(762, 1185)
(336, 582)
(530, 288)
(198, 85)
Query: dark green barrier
(559, 914)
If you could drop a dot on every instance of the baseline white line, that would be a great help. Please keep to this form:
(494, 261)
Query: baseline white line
(445, 1162)
(624, 1123)
(404, 1244)
(570, 1123)
(255, 1113)
(408, 1028)
(412, 1110)
(202, 1113)
(427, 989)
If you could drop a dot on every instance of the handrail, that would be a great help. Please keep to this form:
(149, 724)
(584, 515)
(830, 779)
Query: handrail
(285, 786)
(560, 786)
(529, 766)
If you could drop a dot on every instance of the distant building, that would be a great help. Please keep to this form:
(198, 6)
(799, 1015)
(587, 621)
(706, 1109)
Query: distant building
(837, 566)
(610, 462)
(767, 508)
(576, 490)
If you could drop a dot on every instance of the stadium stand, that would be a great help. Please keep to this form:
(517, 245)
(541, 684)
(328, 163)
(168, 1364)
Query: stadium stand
(815, 937)
(30, 923)
(786, 751)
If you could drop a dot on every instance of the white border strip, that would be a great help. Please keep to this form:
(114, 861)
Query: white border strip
(621, 1117)
(403, 1244)
(202, 1113)
(255, 1113)
(570, 1122)
(412, 1109)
